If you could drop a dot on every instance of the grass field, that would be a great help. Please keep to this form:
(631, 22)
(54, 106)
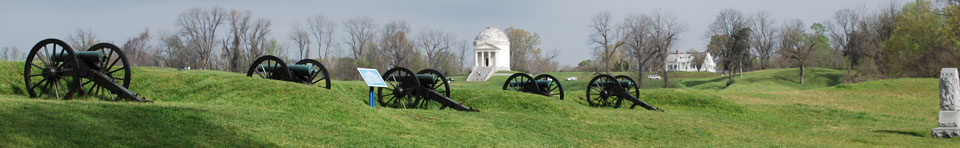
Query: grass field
(220, 109)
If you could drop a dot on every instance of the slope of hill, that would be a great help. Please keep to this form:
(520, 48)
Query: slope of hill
(221, 109)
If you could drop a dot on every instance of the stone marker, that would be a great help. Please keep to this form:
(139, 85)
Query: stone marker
(949, 105)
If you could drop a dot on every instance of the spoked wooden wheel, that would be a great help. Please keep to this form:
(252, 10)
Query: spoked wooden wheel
(111, 62)
(599, 93)
(520, 82)
(51, 69)
(630, 87)
(401, 89)
(269, 67)
(437, 83)
(554, 89)
(320, 78)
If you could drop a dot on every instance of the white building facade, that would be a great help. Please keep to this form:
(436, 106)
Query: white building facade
(684, 62)
(491, 54)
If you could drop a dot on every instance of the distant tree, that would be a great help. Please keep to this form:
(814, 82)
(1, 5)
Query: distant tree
(398, 49)
(638, 42)
(322, 29)
(523, 46)
(136, 50)
(437, 45)
(234, 47)
(10, 53)
(848, 37)
(664, 34)
(301, 38)
(698, 58)
(798, 45)
(198, 27)
(605, 39)
(360, 31)
(82, 39)
(257, 39)
(764, 36)
(728, 34)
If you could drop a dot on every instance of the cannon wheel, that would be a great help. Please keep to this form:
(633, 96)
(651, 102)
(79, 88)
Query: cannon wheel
(321, 78)
(114, 61)
(597, 93)
(43, 74)
(632, 90)
(283, 74)
(401, 88)
(518, 79)
(440, 85)
(553, 90)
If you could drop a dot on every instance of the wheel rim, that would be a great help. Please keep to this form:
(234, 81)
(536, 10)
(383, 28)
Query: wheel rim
(43, 75)
(439, 85)
(631, 89)
(520, 82)
(400, 90)
(114, 65)
(554, 90)
(598, 94)
(282, 73)
(320, 78)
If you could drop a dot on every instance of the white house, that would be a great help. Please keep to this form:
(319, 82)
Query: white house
(491, 54)
(684, 62)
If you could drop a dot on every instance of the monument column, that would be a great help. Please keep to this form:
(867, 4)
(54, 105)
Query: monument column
(949, 105)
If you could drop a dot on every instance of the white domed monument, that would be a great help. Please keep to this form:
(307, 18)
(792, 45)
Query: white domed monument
(491, 54)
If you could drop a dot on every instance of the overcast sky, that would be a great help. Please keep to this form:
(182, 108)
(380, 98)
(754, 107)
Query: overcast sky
(563, 25)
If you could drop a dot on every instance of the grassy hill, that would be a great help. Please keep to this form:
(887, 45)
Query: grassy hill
(220, 109)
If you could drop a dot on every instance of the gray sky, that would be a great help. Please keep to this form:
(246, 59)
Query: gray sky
(563, 25)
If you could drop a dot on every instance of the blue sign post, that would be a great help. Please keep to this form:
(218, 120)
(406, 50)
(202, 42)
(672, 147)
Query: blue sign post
(373, 79)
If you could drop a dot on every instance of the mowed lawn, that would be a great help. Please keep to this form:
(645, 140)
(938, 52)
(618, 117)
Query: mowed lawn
(766, 108)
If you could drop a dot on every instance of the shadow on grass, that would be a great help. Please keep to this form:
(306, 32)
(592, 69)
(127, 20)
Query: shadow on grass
(915, 134)
(44, 124)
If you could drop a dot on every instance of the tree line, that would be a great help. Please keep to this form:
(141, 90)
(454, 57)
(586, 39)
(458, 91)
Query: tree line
(912, 40)
(229, 40)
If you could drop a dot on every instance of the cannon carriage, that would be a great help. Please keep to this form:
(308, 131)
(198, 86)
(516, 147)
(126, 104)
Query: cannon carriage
(306, 71)
(609, 91)
(53, 68)
(426, 89)
(543, 84)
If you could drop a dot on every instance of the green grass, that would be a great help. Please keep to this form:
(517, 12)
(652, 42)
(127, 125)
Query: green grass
(220, 109)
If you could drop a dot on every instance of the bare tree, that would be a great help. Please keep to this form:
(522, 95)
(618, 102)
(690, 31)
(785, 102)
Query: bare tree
(463, 47)
(665, 29)
(396, 45)
(361, 33)
(10, 53)
(727, 24)
(322, 30)
(437, 45)
(301, 38)
(199, 28)
(796, 44)
(136, 50)
(605, 38)
(637, 31)
(81, 39)
(764, 39)
(524, 47)
(234, 46)
(844, 35)
(257, 38)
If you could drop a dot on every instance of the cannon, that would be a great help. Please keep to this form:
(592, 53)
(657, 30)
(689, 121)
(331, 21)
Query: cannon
(426, 89)
(54, 69)
(608, 91)
(306, 71)
(543, 84)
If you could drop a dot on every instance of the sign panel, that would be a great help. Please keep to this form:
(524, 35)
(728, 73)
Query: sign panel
(372, 77)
